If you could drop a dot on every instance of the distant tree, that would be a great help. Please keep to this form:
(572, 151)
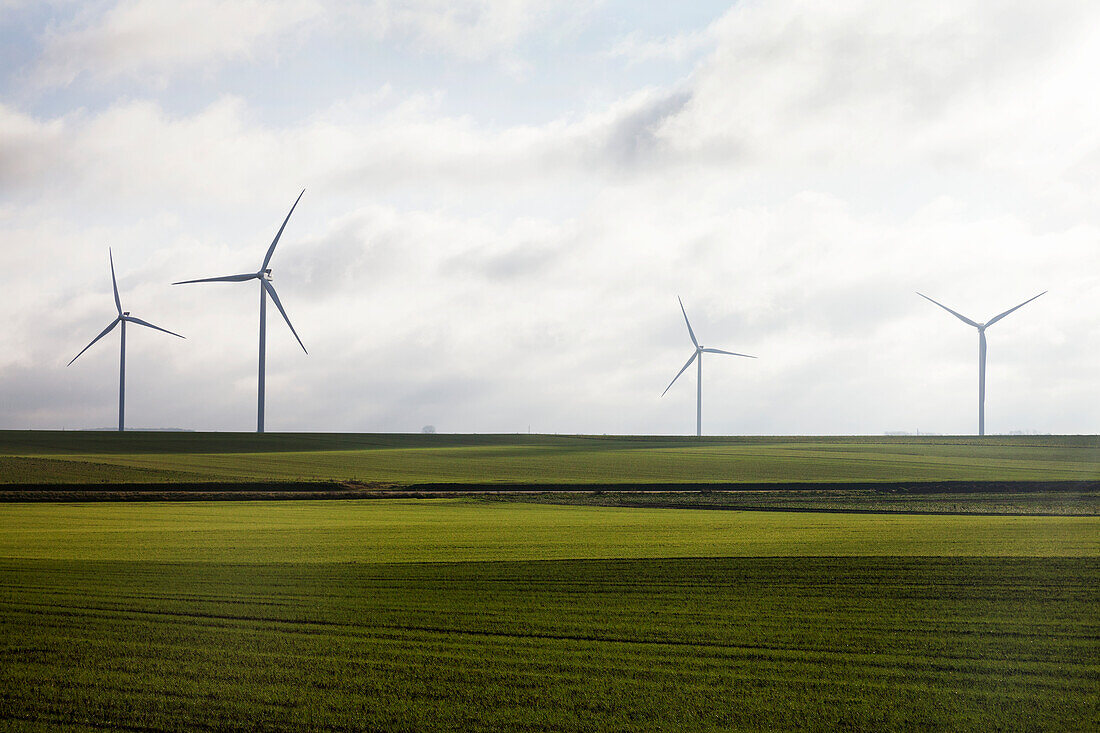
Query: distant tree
(428, 429)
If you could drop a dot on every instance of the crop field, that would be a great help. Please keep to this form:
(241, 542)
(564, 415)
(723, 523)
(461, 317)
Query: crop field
(41, 457)
(967, 602)
(473, 614)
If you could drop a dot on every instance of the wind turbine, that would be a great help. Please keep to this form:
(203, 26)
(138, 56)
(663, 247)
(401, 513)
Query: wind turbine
(699, 351)
(123, 318)
(266, 289)
(981, 349)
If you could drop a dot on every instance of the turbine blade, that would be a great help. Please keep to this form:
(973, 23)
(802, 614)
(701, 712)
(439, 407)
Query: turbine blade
(960, 316)
(271, 291)
(114, 283)
(102, 333)
(224, 279)
(680, 372)
(994, 319)
(150, 325)
(271, 249)
(690, 332)
(731, 353)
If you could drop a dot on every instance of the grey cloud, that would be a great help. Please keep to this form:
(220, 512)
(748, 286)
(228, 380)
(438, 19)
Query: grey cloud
(507, 263)
(855, 309)
(29, 392)
(635, 137)
(353, 252)
(29, 150)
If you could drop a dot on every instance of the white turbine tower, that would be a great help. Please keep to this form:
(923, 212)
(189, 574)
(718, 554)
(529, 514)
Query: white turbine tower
(123, 318)
(699, 351)
(266, 289)
(981, 349)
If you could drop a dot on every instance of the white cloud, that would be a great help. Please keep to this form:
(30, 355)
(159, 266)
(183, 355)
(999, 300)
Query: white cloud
(149, 41)
(805, 82)
(143, 39)
(636, 48)
(470, 29)
(136, 149)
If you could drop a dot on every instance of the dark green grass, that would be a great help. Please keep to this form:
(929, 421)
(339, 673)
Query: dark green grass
(471, 615)
(1066, 502)
(868, 643)
(81, 457)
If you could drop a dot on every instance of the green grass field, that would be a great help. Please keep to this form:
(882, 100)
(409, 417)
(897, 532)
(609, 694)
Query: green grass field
(432, 530)
(41, 457)
(561, 612)
(472, 615)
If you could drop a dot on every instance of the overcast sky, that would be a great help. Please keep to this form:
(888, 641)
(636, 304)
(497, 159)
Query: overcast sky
(504, 198)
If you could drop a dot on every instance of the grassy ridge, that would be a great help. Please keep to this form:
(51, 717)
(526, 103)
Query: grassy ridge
(32, 442)
(79, 457)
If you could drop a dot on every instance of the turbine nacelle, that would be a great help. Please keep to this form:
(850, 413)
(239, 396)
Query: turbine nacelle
(123, 317)
(699, 351)
(267, 291)
(981, 327)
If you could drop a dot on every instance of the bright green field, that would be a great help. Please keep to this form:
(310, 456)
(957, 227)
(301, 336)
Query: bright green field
(432, 530)
(467, 615)
(76, 457)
